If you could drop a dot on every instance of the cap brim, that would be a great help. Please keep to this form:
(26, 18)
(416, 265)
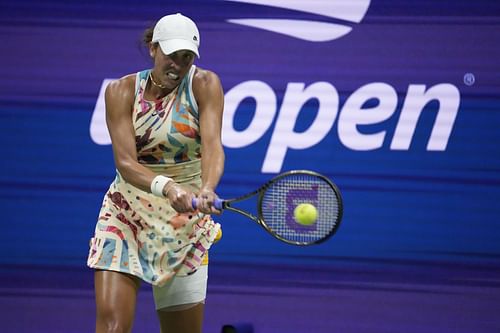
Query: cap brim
(172, 45)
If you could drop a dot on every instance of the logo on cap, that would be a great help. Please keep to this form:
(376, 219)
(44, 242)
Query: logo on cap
(347, 12)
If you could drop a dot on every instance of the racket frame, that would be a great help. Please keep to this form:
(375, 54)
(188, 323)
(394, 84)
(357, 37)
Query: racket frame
(227, 205)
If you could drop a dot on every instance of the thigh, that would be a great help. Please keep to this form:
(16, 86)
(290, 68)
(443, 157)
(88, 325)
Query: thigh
(183, 321)
(115, 295)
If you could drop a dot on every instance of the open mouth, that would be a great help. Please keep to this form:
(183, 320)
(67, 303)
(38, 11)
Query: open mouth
(172, 76)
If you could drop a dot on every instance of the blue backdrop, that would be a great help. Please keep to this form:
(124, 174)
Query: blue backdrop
(397, 101)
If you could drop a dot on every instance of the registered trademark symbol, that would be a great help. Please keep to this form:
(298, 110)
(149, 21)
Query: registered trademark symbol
(469, 79)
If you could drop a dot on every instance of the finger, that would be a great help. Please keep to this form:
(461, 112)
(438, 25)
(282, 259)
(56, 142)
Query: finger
(215, 211)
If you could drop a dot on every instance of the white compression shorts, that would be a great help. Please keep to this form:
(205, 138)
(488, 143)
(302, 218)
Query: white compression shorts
(182, 292)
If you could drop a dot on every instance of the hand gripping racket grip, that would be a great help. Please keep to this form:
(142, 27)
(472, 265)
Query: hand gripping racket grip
(217, 203)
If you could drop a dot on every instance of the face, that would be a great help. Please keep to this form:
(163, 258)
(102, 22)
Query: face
(169, 70)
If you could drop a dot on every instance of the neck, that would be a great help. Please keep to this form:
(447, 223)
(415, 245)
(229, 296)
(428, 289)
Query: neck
(161, 86)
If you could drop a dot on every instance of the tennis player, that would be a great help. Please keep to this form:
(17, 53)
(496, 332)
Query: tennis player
(165, 127)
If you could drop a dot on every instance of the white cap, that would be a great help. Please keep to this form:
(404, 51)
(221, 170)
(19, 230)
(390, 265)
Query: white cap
(176, 32)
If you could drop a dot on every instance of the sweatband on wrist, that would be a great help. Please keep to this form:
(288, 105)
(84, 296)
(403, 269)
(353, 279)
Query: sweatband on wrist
(158, 184)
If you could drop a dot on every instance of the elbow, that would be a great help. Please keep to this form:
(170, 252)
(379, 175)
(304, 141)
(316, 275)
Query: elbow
(222, 157)
(124, 167)
(221, 153)
(222, 161)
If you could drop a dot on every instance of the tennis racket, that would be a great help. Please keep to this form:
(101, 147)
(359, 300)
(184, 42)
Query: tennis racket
(277, 199)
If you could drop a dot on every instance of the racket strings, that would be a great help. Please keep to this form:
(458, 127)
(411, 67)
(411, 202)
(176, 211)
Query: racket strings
(282, 196)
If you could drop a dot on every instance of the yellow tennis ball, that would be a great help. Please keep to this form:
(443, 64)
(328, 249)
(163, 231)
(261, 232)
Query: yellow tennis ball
(305, 214)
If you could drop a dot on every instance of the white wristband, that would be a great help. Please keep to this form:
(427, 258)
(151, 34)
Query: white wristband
(158, 184)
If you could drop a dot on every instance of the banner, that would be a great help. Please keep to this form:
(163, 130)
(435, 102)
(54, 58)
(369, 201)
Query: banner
(397, 102)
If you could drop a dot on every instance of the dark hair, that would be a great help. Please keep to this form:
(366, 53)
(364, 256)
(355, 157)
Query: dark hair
(147, 35)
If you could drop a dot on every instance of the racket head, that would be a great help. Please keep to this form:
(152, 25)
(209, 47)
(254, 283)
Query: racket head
(281, 195)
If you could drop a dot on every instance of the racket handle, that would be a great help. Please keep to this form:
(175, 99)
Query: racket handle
(217, 203)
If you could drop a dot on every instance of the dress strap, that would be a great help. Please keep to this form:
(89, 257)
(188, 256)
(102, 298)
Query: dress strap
(142, 75)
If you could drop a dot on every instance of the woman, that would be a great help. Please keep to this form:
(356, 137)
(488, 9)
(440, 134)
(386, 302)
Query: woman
(165, 127)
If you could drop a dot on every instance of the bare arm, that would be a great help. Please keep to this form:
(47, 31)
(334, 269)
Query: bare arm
(119, 98)
(210, 97)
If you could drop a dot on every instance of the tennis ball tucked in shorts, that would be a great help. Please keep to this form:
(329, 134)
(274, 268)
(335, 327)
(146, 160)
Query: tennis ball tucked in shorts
(217, 238)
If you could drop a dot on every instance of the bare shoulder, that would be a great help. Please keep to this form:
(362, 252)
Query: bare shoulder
(121, 90)
(204, 79)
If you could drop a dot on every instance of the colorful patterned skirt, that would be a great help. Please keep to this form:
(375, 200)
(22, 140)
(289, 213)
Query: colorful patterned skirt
(141, 234)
